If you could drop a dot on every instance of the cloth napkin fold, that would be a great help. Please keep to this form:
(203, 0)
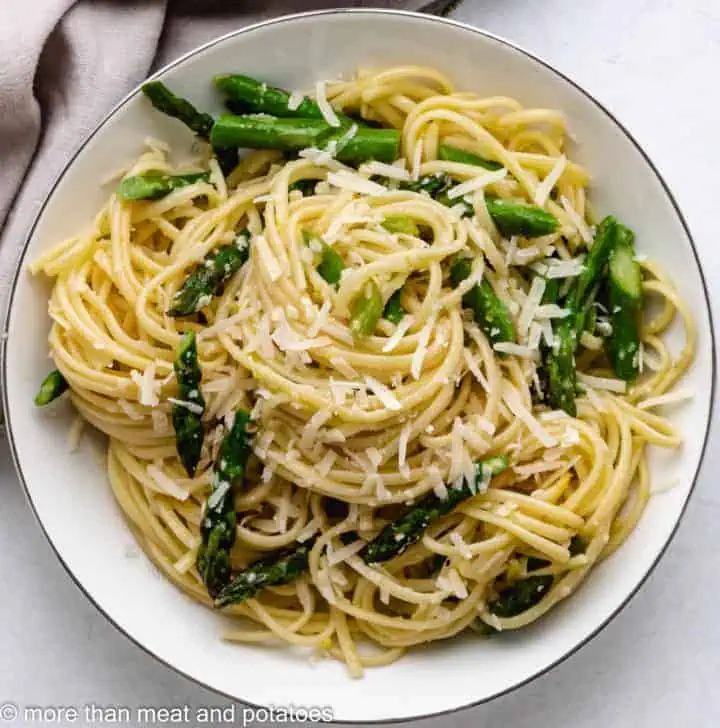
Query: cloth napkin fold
(65, 63)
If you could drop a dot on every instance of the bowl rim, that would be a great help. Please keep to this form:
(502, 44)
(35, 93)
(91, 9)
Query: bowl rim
(289, 18)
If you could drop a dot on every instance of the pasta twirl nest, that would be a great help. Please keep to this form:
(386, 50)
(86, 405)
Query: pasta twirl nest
(365, 389)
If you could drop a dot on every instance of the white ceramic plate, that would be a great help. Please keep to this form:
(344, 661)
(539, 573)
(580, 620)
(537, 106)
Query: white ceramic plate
(70, 494)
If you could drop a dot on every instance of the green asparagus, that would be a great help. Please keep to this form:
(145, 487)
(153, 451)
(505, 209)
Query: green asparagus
(294, 134)
(521, 596)
(153, 186)
(401, 224)
(366, 311)
(394, 310)
(331, 266)
(163, 99)
(258, 97)
(561, 374)
(219, 517)
(188, 410)
(208, 278)
(52, 387)
(281, 567)
(489, 311)
(452, 154)
(437, 186)
(397, 536)
(516, 218)
(625, 306)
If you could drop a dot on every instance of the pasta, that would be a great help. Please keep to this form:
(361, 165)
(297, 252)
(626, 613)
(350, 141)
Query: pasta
(348, 433)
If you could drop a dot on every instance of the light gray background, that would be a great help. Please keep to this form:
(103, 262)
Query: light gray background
(654, 64)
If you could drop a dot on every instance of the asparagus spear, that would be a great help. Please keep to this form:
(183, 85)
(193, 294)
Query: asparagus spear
(397, 536)
(625, 299)
(187, 417)
(562, 377)
(437, 186)
(401, 224)
(432, 184)
(219, 517)
(163, 99)
(280, 567)
(293, 134)
(209, 277)
(394, 310)
(331, 266)
(489, 311)
(366, 311)
(258, 97)
(452, 154)
(516, 218)
(521, 596)
(52, 387)
(153, 186)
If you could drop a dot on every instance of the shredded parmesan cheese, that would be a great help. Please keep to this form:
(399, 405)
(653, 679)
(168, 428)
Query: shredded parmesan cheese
(324, 105)
(545, 187)
(383, 393)
(609, 384)
(680, 395)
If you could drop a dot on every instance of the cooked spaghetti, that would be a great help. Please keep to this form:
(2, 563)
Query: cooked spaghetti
(348, 432)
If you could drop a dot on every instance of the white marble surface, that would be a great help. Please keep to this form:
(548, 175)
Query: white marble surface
(654, 64)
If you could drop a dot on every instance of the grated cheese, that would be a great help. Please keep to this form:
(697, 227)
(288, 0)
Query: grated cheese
(286, 339)
(383, 393)
(580, 224)
(476, 183)
(324, 105)
(147, 386)
(310, 431)
(320, 320)
(348, 180)
(451, 582)
(513, 401)
(534, 336)
(475, 369)
(386, 170)
(418, 356)
(551, 311)
(400, 330)
(535, 294)
(193, 407)
(571, 268)
(606, 383)
(543, 190)
(508, 347)
(459, 542)
(680, 395)
(296, 98)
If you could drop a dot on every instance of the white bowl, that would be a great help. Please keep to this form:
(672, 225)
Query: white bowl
(70, 494)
